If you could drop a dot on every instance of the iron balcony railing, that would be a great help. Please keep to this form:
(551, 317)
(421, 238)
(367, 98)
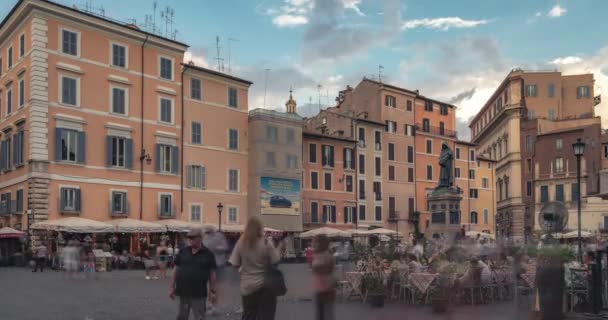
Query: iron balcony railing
(436, 130)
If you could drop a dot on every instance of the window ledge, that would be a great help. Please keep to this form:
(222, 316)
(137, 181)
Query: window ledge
(166, 174)
(69, 67)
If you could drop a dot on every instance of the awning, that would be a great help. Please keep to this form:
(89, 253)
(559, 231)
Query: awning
(381, 231)
(132, 226)
(330, 232)
(175, 225)
(473, 234)
(7, 232)
(357, 232)
(74, 225)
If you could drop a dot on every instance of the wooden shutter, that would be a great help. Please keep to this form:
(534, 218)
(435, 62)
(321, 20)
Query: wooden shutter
(58, 134)
(81, 146)
(62, 192)
(157, 156)
(77, 200)
(189, 176)
(343, 157)
(108, 151)
(174, 160)
(129, 153)
(333, 214)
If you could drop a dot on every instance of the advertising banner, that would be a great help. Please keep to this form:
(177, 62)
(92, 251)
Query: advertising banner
(280, 196)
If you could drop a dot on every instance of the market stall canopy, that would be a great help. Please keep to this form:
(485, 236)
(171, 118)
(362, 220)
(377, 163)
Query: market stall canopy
(382, 231)
(230, 228)
(175, 225)
(574, 235)
(7, 232)
(356, 232)
(131, 226)
(473, 234)
(74, 225)
(330, 232)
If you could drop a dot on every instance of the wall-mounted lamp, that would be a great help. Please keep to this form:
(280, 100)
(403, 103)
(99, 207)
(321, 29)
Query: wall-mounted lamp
(145, 156)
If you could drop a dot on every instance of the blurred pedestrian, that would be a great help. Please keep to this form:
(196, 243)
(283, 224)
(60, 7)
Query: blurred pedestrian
(149, 264)
(254, 256)
(71, 259)
(323, 264)
(194, 267)
(163, 257)
(41, 255)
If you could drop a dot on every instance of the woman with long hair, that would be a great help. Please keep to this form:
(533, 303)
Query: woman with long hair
(254, 256)
(162, 254)
(323, 264)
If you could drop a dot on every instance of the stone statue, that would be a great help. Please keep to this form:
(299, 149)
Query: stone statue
(446, 162)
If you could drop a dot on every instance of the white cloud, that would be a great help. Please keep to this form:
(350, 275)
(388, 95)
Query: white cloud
(288, 20)
(353, 5)
(557, 11)
(538, 14)
(198, 58)
(443, 23)
(567, 60)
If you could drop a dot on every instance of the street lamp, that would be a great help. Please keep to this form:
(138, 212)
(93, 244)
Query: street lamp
(579, 148)
(220, 207)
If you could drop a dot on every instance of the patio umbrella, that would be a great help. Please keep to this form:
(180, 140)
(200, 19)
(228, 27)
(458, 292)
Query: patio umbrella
(330, 232)
(574, 234)
(357, 232)
(74, 225)
(7, 232)
(382, 231)
(175, 225)
(473, 234)
(133, 226)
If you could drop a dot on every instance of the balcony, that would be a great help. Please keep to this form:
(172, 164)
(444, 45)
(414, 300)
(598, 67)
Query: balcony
(166, 213)
(115, 212)
(8, 207)
(436, 131)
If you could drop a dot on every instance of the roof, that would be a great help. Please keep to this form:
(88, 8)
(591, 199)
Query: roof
(217, 73)
(416, 92)
(466, 142)
(564, 130)
(325, 136)
(493, 96)
(114, 22)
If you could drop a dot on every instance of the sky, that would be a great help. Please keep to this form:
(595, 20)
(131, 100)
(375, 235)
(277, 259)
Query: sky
(454, 51)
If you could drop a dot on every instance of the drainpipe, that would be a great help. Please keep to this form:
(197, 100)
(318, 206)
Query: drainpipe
(142, 156)
(356, 182)
(469, 187)
(181, 180)
(415, 163)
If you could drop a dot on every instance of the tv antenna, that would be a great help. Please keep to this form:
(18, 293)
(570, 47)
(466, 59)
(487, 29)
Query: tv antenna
(380, 68)
(218, 56)
(265, 84)
(319, 86)
(168, 16)
(230, 40)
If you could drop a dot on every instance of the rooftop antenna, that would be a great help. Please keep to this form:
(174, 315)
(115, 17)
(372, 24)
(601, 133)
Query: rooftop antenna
(380, 68)
(265, 84)
(154, 5)
(230, 40)
(167, 15)
(218, 57)
(319, 86)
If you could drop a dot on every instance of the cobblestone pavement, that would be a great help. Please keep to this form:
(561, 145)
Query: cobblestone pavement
(125, 295)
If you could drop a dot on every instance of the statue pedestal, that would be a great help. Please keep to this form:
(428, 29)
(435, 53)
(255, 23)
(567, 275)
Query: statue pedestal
(444, 205)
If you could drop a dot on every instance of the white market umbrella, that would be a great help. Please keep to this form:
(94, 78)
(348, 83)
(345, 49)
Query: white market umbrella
(330, 232)
(132, 226)
(7, 232)
(574, 235)
(74, 225)
(175, 225)
(473, 234)
(357, 232)
(382, 231)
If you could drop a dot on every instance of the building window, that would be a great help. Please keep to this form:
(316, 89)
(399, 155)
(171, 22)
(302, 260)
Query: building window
(22, 45)
(5, 155)
(69, 90)
(327, 181)
(271, 161)
(233, 139)
(457, 153)
(166, 110)
(428, 105)
(18, 143)
(69, 42)
(328, 156)
(232, 215)
(119, 55)
(544, 194)
(69, 200)
(362, 164)
(551, 90)
(361, 189)
(410, 154)
(559, 192)
(456, 172)
(551, 114)
(485, 216)
(574, 192)
(471, 174)
(429, 172)
(390, 101)
(410, 174)
(167, 161)
(233, 180)
(349, 159)
(314, 212)
(119, 202)
(528, 188)
(361, 137)
(119, 101)
(272, 133)
(69, 145)
(531, 90)
(606, 151)
(349, 184)
(378, 213)
(349, 214)
(391, 151)
(559, 144)
(195, 89)
(9, 101)
(391, 173)
(473, 217)
(441, 128)
(443, 109)
(314, 180)
(429, 146)
(166, 68)
(362, 213)
(408, 105)
(528, 147)
(197, 176)
(377, 140)
(292, 161)
(329, 214)
(559, 165)
(291, 136)
(409, 130)
(19, 201)
(472, 155)
(21, 93)
(197, 133)
(391, 126)
(232, 98)
(473, 194)
(117, 151)
(426, 125)
(9, 61)
(312, 153)
(165, 207)
(378, 166)
(195, 212)
(582, 92)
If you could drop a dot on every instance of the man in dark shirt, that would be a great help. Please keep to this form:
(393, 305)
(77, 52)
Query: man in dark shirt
(195, 266)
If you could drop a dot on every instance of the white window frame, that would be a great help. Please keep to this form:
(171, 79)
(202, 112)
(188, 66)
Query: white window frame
(10, 58)
(352, 178)
(204, 178)
(66, 207)
(164, 156)
(60, 94)
(559, 144)
(237, 139)
(78, 41)
(192, 132)
(485, 185)
(114, 43)
(200, 89)
(126, 90)
(124, 156)
(426, 141)
(295, 163)
(21, 86)
(160, 57)
(238, 180)
(457, 173)
(331, 181)
(426, 172)
(561, 165)
(236, 208)
(9, 91)
(160, 99)
(200, 212)
(124, 191)
(21, 48)
(349, 215)
(160, 196)
(310, 180)
(75, 136)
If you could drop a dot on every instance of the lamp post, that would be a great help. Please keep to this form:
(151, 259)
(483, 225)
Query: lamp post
(220, 207)
(579, 148)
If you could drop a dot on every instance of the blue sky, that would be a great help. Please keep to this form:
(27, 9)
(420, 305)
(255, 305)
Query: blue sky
(457, 51)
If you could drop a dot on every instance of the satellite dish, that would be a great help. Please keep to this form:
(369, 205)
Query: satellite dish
(553, 217)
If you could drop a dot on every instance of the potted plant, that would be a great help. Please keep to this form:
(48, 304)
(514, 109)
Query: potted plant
(441, 294)
(372, 286)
